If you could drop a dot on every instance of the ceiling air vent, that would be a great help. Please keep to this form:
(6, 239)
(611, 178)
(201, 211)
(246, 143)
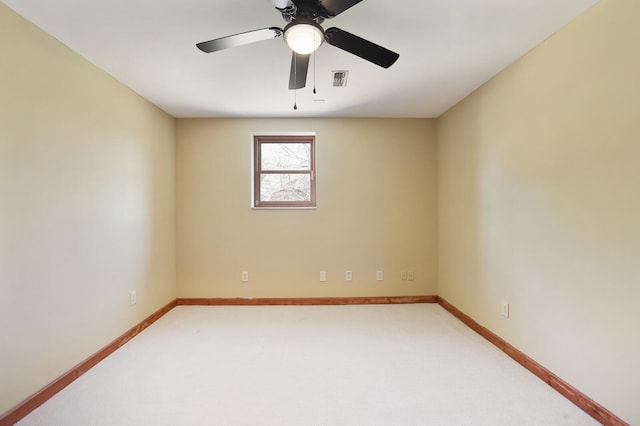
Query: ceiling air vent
(340, 78)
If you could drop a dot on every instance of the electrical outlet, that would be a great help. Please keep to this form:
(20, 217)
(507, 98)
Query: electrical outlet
(379, 275)
(245, 276)
(403, 275)
(133, 298)
(323, 276)
(348, 276)
(505, 309)
(411, 275)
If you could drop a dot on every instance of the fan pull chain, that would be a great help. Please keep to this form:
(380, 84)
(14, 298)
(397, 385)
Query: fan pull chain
(295, 77)
(314, 65)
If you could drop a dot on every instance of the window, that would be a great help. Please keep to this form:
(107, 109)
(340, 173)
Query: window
(284, 171)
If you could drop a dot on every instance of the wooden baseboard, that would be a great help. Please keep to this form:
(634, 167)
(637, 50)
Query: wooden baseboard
(307, 301)
(33, 402)
(588, 405)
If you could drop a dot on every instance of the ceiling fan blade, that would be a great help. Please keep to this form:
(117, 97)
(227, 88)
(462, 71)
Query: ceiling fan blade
(239, 39)
(298, 74)
(336, 7)
(360, 47)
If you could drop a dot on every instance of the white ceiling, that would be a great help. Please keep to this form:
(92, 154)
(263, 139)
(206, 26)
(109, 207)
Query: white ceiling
(447, 48)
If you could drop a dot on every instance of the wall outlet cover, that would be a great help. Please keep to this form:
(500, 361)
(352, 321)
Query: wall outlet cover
(504, 310)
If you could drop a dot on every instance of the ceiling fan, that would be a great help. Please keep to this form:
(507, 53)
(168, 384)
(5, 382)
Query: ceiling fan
(304, 35)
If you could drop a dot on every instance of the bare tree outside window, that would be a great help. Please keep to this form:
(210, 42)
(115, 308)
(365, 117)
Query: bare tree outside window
(284, 171)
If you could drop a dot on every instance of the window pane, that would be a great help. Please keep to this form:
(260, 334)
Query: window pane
(285, 187)
(285, 156)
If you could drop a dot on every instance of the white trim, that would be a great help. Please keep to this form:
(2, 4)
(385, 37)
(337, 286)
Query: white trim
(283, 208)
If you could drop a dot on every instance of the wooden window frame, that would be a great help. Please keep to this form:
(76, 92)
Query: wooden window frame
(258, 141)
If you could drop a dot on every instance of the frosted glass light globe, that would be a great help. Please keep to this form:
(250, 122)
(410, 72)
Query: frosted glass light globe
(303, 38)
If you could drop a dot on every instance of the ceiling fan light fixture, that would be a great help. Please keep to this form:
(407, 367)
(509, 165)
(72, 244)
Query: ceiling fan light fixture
(303, 38)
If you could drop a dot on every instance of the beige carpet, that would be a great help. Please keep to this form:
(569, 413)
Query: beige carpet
(318, 365)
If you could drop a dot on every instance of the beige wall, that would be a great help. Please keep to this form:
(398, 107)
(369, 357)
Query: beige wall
(86, 209)
(539, 204)
(376, 210)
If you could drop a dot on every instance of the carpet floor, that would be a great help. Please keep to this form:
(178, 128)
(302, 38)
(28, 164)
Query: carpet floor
(308, 365)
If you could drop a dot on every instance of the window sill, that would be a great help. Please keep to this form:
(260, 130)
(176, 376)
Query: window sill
(283, 208)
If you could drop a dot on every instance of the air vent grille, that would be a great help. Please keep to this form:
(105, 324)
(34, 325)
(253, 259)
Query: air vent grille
(340, 78)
